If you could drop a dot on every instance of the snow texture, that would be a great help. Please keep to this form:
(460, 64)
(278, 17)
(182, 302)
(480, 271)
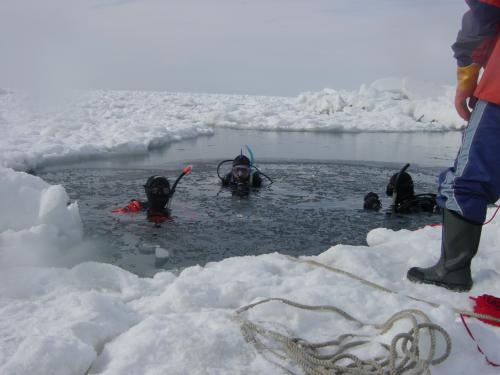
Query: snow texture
(80, 125)
(99, 319)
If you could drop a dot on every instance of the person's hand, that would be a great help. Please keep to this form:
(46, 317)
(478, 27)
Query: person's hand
(466, 84)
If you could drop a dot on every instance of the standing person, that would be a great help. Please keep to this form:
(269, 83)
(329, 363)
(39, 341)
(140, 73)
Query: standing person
(473, 182)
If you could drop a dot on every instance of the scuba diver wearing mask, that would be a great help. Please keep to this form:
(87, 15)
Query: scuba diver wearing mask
(159, 198)
(243, 175)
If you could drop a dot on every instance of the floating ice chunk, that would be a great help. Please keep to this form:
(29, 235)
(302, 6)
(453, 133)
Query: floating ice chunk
(54, 210)
(161, 252)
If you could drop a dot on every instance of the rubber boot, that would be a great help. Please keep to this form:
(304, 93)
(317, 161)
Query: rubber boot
(458, 247)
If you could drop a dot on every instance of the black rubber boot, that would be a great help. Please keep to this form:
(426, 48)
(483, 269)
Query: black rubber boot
(458, 247)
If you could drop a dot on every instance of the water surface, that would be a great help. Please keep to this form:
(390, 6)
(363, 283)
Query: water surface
(315, 201)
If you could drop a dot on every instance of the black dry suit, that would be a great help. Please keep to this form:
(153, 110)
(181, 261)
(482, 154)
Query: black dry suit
(159, 195)
(158, 192)
(157, 204)
(404, 199)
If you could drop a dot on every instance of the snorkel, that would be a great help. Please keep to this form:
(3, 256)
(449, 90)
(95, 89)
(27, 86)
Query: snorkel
(159, 217)
(185, 171)
(250, 152)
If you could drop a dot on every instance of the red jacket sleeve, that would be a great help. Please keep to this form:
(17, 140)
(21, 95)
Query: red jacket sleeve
(480, 28)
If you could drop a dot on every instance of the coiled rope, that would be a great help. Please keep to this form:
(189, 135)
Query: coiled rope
(404, 354)
(306, 354)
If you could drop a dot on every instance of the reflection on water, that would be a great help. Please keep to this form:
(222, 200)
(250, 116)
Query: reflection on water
(425, 149)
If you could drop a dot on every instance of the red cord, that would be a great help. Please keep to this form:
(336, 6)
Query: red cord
(486, 305)
(491, 363)
(494, 214)
(486, 222)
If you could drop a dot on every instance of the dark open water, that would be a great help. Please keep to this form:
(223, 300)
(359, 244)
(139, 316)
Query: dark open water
(314, 203)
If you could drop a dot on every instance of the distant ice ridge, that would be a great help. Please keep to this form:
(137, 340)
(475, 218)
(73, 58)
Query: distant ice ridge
(36, 127)
(398, 105)
(386, 105)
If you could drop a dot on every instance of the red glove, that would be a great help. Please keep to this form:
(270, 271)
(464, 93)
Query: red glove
(132, 207)
(466, 85)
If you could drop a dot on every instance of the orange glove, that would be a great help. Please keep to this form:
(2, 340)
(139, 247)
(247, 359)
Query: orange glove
(466, 85)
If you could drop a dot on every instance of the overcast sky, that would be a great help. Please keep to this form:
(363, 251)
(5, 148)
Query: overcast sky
(270, 47)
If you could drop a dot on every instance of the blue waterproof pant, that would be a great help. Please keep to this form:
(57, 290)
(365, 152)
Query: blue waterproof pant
(474, 180)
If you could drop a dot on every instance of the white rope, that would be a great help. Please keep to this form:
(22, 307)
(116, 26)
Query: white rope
(306, 354)
(404, 354)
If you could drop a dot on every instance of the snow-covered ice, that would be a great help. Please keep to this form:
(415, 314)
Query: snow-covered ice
(80, 125)
(99, 319)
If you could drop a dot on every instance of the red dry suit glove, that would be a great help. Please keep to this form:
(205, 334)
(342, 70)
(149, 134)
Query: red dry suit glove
(466, 84)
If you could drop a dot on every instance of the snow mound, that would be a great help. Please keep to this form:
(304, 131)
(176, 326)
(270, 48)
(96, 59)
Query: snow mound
(82, 125)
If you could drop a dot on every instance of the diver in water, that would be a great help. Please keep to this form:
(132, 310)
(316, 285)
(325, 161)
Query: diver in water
(243, 176)
(372, 202)
(159, 198)
(404, 200)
